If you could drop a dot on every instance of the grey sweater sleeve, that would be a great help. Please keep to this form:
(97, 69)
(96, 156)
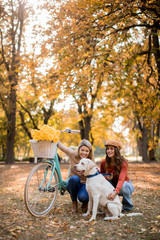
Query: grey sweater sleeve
(64, 149)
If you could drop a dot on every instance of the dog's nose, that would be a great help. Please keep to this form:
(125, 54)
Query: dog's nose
(75, 167)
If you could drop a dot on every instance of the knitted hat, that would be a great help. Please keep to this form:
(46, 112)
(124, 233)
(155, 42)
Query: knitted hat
(113, 143)
(86, 143)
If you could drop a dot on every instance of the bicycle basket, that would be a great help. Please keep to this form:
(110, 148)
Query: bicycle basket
(43, 149)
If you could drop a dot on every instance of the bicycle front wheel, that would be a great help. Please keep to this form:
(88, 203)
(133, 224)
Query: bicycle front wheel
(41, 189)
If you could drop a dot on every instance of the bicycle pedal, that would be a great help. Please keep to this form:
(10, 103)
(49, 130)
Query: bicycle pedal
(62, 191)
(52, 189)
(42, 189)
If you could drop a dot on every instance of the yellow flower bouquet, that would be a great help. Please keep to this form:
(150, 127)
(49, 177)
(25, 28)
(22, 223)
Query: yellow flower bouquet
(46, 133)
(44, 142)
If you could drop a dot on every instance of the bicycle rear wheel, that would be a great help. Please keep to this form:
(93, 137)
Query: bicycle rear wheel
(39, 195)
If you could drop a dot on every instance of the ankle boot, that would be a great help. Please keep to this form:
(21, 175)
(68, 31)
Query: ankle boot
(74, 207)
(84, 207)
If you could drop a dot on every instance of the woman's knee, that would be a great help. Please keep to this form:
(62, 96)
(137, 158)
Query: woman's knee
(83, 197)
(73, 184)
(126, 189)
(74, 179)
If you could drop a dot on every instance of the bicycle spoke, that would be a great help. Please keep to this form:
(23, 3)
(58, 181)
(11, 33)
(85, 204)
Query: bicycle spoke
(40, 197)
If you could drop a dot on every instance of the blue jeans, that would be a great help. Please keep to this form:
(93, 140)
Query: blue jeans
(126, 191)
(77, 189)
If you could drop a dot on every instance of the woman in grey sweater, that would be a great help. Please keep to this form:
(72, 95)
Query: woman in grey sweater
(76, 185)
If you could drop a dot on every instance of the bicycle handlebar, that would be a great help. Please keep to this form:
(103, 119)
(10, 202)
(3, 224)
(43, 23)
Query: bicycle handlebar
(68, 130)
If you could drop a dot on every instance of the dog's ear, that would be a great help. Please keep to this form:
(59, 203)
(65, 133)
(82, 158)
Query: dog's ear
(91, 164)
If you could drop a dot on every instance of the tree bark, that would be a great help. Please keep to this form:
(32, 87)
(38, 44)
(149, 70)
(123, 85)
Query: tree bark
(3, 151)
(139, 146)
(144, 145)
(152, 155)
(156, 50)
(81, 127)
(11, 62)
(11, 126)
(23, 124)
(87, 122)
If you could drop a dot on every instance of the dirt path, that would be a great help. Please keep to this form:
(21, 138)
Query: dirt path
(17, 223)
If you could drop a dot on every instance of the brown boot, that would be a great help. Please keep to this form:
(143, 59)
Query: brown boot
(84, 207)
(74, 207)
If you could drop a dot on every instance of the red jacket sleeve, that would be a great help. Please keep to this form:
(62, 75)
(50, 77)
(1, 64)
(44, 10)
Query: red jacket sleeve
(102, 166)
(122, 176)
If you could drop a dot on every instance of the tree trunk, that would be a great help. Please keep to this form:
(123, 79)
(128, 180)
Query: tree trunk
(87, 122)
(85, 127)
(3, 151)
(12, 31)
(49, 113)
(158, 130)
(156, 49)
(11, 117)
(144, 145)
(23, 124)
(139, 146)
(81, 127)
(152, 155)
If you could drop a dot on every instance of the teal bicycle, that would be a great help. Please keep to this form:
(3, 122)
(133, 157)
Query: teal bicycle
(45, 179)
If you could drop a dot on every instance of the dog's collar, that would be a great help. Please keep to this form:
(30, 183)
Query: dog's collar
(93, 175)
(97, 173)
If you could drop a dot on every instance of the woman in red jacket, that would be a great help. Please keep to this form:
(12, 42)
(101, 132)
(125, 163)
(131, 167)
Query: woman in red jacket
(117, 165)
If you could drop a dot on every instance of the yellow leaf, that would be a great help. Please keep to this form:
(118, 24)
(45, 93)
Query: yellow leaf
(72, 227)
(50, 235)
(91, 230)
(154, 228)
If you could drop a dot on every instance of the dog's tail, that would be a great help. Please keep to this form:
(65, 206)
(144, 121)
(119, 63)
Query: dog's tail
(131, 214)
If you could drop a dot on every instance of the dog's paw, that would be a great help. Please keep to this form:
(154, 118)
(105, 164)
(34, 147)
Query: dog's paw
(122, 214)
(85, 214)
(110, 218)
(92, 219)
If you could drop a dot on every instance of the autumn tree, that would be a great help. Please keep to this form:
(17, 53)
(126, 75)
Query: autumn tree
(82, 62)
(37, 94)
(12, 23)
(137, 74)
(25, 89)
(3, 128)
(100, 53)
(86, 33)
(137, 102)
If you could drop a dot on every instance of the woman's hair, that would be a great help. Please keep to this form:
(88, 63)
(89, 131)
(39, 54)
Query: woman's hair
(87, 144)
(118, 160)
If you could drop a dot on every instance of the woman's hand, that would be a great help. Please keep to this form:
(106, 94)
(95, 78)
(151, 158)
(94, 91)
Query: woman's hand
(79, 173)
(97, 168)
(112, 195)
(109, 177)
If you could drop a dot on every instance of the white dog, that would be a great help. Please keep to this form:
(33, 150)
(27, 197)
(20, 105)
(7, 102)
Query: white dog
(98, 189)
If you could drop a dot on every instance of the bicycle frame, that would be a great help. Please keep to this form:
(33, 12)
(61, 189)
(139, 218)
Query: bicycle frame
(44, 177)
(56, 167)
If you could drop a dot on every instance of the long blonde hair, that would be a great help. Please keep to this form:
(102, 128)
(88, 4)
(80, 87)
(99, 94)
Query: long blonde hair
(86, 143)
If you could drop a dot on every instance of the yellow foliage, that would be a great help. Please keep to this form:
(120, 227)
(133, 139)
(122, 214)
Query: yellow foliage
(46, 133)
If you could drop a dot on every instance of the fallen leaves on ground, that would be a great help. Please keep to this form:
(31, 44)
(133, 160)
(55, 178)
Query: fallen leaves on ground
(17, 223)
